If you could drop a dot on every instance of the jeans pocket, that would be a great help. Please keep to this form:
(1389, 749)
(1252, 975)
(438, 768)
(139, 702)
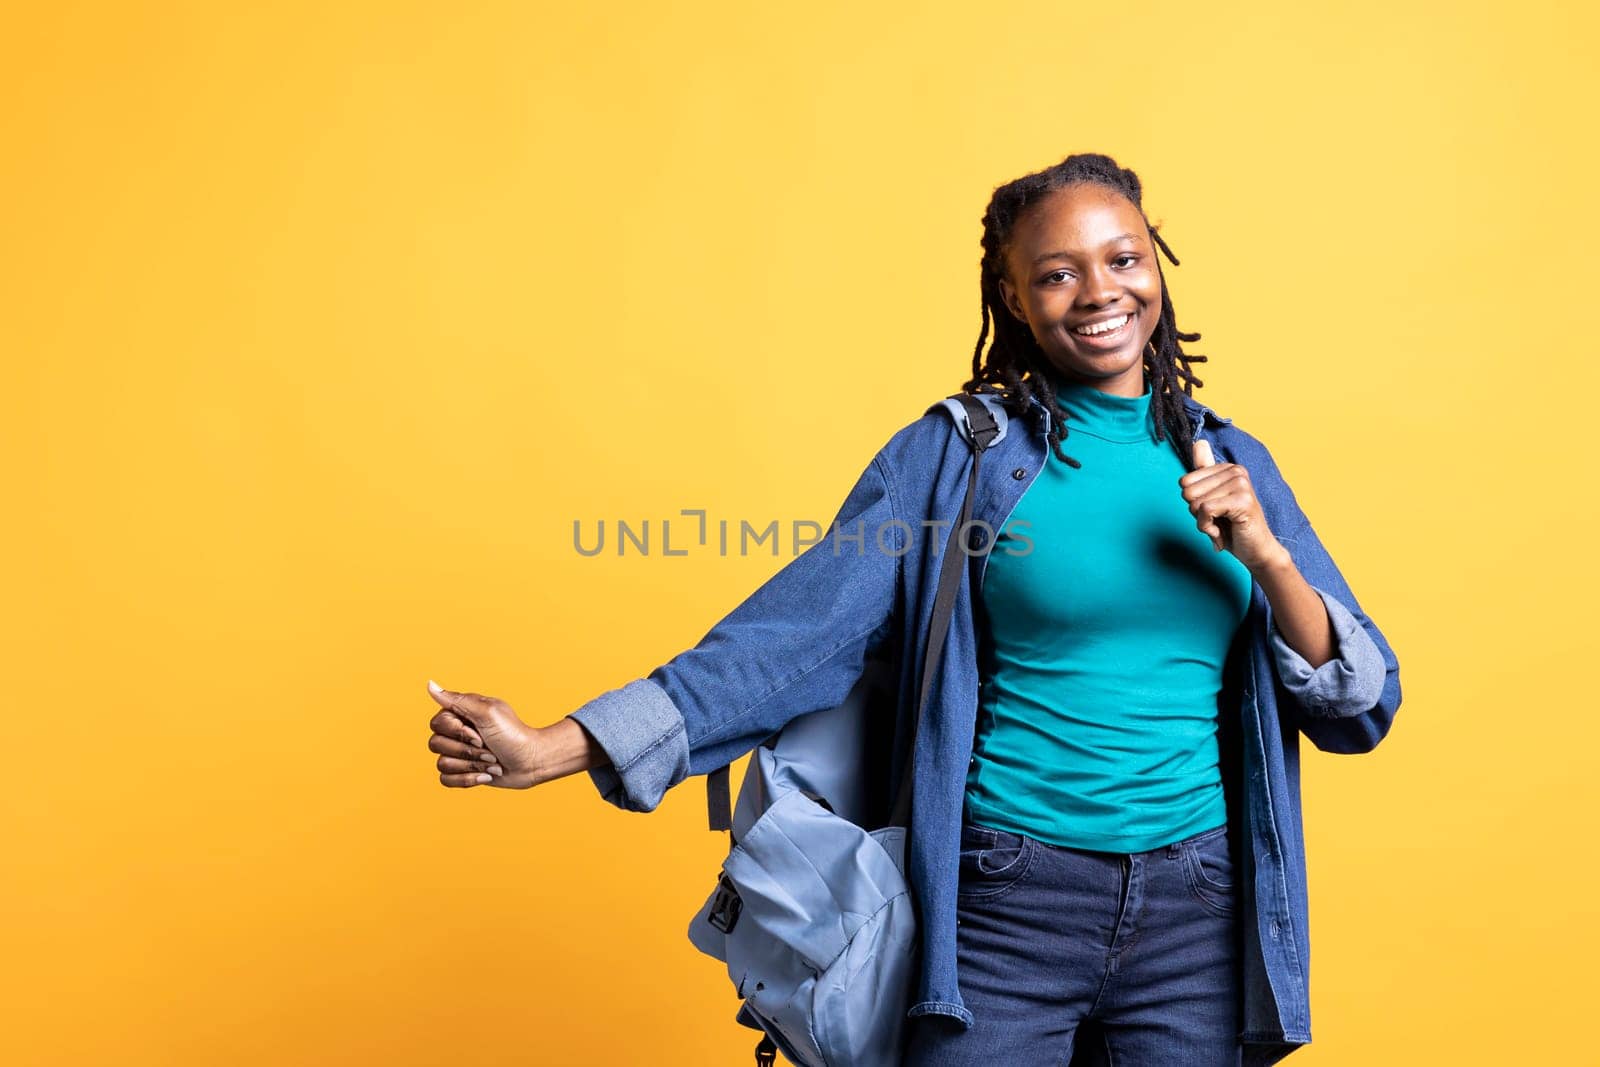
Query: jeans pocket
(1208, 870)
(991, 860)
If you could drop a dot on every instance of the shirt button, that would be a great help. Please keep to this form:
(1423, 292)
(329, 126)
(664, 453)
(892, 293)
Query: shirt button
(1020, 473)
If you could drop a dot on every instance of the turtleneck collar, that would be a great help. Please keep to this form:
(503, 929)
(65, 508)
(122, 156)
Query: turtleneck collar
(1111, 418)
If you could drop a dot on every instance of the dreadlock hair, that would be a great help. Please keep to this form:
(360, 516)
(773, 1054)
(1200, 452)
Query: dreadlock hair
(1014, 366)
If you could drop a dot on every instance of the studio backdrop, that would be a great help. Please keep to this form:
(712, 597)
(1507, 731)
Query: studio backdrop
(326, 327)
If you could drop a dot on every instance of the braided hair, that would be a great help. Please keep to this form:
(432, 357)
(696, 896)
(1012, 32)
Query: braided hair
(1014, 367)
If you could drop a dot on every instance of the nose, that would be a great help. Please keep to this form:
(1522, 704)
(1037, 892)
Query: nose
(1099, 287)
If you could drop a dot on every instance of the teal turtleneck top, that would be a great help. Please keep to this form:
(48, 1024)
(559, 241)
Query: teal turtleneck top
(1102, 645)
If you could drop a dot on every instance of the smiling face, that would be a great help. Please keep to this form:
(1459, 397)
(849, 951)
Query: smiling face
(1082, 257)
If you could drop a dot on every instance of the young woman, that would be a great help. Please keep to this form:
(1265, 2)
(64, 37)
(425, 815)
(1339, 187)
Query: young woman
(1106, 825)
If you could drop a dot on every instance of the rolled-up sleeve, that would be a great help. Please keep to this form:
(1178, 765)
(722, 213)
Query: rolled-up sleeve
(1349, 683)
(643, 735)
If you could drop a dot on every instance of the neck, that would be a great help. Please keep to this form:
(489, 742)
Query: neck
(1134, 382)
(1103, 413)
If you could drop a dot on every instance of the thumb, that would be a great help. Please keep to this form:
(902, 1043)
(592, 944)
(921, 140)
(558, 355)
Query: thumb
(463, 704)
(1202, 453)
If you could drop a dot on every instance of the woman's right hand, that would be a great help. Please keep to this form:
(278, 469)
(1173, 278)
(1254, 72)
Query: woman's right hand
(481, 741)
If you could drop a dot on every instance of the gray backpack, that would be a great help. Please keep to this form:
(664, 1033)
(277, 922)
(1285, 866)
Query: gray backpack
(812, 912)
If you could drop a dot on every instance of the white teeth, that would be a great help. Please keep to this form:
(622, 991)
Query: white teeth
(1101, 327)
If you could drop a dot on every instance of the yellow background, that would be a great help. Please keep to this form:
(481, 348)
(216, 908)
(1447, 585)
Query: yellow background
(322, 324)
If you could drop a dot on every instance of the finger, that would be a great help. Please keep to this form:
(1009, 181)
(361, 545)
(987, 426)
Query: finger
(1211, 511)
(465, 781)
(1202, 453)
(1224, 498)
(1219, 479)
(1209, 515)
(1211, 472)
(452, 725)
(449, 746)
(458, 702)
(453, 765)
(1202, 479)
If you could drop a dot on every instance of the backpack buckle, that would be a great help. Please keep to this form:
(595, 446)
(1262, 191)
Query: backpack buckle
(725, 905)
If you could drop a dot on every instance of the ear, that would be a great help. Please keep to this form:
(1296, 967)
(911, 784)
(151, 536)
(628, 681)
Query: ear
(1009, 296)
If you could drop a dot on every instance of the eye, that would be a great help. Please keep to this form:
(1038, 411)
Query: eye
(1127, 256)
(1053, 274)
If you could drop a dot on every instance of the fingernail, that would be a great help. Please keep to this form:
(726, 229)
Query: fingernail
(485, 778)
(495, 770)
(434, 687)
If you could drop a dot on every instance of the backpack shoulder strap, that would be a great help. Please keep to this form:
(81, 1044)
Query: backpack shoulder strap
(968, 411)
(981, 422)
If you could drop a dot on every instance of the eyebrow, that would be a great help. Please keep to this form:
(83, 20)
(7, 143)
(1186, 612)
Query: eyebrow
(1064, 255)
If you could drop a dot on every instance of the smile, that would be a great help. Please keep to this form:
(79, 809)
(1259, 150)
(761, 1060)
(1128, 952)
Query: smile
(1107, 334)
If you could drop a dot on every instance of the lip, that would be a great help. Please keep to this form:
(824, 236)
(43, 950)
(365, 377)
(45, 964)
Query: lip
(1107, 342)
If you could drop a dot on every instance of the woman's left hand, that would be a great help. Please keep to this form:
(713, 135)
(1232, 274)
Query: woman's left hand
(1217, 491)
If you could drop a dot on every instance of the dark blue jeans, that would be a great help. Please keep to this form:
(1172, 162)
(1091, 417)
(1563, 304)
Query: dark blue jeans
(1138, 949)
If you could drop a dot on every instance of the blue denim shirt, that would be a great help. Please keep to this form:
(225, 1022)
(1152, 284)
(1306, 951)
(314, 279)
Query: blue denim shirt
(800, 641)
